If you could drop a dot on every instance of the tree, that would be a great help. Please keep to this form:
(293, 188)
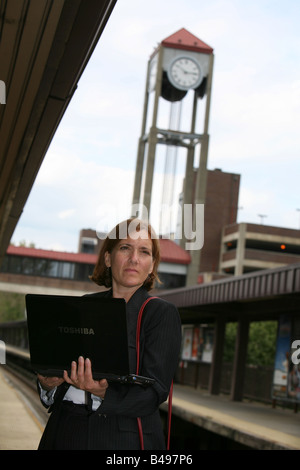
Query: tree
(261, 343)
(12, 307)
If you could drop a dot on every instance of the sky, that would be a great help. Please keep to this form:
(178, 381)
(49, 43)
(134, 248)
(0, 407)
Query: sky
(86, 179)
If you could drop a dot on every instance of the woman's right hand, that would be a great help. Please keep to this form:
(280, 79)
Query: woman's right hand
(48, 383)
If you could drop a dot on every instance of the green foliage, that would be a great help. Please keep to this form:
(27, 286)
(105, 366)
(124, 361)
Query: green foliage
(261, 343)
(12, 306)
(230, 336)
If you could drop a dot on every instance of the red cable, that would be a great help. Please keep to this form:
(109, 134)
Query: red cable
(138, 328)
(169, 415)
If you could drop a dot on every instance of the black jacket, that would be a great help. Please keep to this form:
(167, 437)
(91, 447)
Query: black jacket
(114, 424)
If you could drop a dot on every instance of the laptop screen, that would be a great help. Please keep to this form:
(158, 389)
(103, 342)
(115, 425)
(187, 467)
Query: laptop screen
(62, 328)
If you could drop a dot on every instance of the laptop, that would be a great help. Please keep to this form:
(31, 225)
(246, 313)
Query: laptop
(62, 328)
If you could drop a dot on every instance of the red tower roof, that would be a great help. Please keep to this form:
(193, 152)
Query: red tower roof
(187, 41)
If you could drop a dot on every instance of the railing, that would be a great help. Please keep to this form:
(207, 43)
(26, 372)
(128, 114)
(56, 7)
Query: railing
(258, 380)
(15, 337)
(257, 385)
(15, 334)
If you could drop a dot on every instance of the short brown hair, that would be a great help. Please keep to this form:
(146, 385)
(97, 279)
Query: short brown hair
(102, 275)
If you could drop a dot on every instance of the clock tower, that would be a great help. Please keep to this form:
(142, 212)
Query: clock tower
(179, 70)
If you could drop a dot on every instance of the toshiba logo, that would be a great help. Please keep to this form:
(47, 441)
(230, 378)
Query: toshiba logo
(76, 331)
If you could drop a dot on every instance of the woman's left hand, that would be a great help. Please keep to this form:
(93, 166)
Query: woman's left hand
(82, 377)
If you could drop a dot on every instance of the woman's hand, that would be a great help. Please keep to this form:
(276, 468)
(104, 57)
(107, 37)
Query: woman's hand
(82, 377)
(48, 383)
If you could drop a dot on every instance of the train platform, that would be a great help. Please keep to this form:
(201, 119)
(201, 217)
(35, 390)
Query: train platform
(19, 427)
(253, 424)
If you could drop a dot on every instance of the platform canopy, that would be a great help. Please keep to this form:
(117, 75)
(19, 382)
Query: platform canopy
(258, 296)
(44, 49)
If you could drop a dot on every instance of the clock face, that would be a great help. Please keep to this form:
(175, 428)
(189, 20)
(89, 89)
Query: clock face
(185, 73)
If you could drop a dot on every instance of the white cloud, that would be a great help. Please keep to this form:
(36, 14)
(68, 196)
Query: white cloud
(66, 214)
(88, 172)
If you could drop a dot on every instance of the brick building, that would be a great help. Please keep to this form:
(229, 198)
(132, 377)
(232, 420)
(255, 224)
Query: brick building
(220, 209)
(232, 248)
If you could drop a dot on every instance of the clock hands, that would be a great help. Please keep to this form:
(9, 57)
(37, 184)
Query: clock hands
(184, 73)
(187, 72)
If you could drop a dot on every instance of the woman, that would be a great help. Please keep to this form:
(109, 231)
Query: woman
(89, 414)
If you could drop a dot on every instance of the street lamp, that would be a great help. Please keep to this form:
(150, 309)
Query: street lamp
(262, 218)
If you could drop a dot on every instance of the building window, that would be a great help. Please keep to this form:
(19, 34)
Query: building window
(67, 270)
(46, 268)
(171, 281)
(88, 245)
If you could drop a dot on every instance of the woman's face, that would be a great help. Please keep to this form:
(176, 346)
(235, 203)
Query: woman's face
(131, 261)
